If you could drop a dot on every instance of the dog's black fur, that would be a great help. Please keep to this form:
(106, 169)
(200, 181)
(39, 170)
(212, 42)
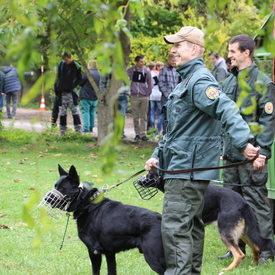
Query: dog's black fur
(108, 227)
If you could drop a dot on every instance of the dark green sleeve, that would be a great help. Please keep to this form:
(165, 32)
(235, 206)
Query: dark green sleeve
(266, 118)
(208, 97)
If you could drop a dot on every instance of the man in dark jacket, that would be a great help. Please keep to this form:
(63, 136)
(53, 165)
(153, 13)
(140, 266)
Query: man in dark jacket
(262, 95)
(68, 78)
(12, 86)
(89, 98)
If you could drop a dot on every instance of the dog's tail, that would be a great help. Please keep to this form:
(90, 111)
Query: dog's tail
(253, 233)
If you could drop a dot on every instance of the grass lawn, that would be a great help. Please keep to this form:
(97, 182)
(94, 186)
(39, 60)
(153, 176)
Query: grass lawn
(28, 166)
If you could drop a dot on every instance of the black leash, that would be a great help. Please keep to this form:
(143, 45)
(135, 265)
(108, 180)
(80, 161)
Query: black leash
(208, 168)
(192, 170)
(116, 185)
(65, 231)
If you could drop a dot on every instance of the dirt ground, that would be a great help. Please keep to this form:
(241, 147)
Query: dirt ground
(26, 116)
(29, 114)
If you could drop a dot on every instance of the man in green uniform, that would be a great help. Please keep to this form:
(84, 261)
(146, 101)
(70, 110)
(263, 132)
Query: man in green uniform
(261, 96)
(194, 113)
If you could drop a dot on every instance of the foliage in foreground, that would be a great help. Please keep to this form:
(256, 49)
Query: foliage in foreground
(29, 167)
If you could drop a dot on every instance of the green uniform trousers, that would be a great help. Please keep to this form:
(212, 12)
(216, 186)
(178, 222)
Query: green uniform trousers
(182, 226)
(255, 196)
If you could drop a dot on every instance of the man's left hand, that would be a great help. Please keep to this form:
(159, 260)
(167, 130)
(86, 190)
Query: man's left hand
(259, 162)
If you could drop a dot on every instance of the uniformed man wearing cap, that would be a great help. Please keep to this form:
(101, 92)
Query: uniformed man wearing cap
(195, 111)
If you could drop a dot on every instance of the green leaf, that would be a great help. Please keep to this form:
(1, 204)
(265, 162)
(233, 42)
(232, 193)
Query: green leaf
(46, 80)
(32, 201)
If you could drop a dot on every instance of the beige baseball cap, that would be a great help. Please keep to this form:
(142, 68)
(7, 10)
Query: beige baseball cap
(190, 34)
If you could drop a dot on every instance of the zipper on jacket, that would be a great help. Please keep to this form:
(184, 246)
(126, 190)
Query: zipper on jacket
(193, 162)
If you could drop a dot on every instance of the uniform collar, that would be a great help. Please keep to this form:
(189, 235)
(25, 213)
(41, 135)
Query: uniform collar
(235, 71)
(191, 66)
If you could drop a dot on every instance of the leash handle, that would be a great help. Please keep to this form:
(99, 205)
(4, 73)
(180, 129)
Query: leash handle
(207, 168)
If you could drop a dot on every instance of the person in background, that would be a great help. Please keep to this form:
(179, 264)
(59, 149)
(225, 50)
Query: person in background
(69, 76)
(1, 93)
(151, 66)
(155, 99)
(11, 87)
(195, 111)
(140, 89)
(104, 85)
(241, 49)
(228, 64)
(168, 80)
(220, 69)
(88, 97)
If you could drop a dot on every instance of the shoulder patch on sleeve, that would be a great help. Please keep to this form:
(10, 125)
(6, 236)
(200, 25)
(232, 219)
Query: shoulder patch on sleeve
(212, 93)
(268, 108)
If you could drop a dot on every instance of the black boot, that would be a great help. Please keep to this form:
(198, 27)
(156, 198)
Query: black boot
(227, 255)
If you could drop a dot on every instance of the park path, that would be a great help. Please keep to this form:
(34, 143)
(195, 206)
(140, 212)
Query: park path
(36, 120)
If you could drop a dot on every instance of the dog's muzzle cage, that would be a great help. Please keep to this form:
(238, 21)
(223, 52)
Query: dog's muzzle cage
(147, 188)
(55, 204)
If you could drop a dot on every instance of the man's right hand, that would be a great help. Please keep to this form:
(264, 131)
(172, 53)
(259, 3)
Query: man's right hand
(149, 164)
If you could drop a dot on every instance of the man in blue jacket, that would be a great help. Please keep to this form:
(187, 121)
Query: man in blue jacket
(195, 111)
(11, 87)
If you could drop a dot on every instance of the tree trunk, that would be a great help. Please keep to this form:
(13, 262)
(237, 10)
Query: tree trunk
(107, 105)
(107, 102)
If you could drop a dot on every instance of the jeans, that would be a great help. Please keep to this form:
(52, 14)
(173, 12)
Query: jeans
(12, 96)
(155, 108)
(88, 114)
(123, 104)
(2, 97)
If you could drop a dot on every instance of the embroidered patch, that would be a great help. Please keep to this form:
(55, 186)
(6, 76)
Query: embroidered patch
(268, 108)
(212, 93)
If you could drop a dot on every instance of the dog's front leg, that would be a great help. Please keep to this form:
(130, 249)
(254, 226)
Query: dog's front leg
(111, 264)
(95, 261)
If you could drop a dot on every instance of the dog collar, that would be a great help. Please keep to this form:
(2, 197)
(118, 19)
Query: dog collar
(97, 197)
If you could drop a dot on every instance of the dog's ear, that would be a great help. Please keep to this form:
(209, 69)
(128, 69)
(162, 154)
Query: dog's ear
(62, 172)
(73, 176)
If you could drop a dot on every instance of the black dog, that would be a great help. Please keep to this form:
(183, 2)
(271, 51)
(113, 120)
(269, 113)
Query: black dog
(235, 219)
(108, 227)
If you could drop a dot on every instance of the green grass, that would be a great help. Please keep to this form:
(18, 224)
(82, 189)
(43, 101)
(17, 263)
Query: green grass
(28, 166)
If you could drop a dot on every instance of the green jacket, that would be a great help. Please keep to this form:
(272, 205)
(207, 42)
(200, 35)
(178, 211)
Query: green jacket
(263, 113)
(193, 112)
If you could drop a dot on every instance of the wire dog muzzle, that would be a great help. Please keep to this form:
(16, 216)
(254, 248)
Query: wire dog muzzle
(55, 204)
(146, 187)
